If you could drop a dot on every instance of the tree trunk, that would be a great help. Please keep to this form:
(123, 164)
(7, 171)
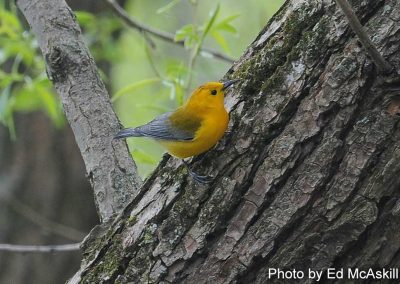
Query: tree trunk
(45, 199)
(86, 103)
(307, 177)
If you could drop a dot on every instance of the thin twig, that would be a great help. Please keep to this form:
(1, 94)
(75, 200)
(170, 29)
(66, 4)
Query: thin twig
(39, 249)
(158, 33)
(377, 58)
(56, 228)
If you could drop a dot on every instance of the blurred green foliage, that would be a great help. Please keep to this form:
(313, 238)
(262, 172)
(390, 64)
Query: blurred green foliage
(23, 82)
(147, 76)
(149, 79)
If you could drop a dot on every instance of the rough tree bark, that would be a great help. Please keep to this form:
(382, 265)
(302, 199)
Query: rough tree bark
(306, 178)
(86, 102)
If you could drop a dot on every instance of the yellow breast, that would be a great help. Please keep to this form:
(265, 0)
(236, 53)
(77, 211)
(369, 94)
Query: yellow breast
(212, 129)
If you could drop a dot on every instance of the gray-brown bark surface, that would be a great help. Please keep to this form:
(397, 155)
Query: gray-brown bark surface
(109, 166)
(306, 178)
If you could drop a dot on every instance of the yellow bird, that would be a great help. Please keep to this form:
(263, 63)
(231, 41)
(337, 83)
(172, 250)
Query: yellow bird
(191, 129)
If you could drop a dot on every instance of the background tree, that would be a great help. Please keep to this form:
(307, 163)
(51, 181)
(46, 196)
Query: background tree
(45, 197)
(37, 157)
(307, 178)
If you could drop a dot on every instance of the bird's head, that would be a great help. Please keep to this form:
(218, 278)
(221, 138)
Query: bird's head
(210, 95)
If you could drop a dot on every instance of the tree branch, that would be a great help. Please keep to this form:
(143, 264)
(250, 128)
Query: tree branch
(160, 34)
(47, 225)
(87, 105)
(39, 249)
(377, 58)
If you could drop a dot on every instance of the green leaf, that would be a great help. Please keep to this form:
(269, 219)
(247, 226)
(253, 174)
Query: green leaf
(38, 94)
(26, 100)
(7, 79)
(168, 6)
(179, 93)
(189, 34)
(134, 87)
(50, 103)
(184, 32)
(219, 38)
(4, 101)
(18, 47)
(9, 24)
(6, 108)
(225, 24)
(176, 70)
(208, 25)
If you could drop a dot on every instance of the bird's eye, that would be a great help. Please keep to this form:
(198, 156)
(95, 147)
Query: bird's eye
(213, 92)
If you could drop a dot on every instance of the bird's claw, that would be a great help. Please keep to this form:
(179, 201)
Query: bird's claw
(200, 179)
(196, 177)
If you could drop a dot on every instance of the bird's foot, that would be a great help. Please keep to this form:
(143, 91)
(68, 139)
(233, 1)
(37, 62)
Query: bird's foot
(199, 178)
(196, 177)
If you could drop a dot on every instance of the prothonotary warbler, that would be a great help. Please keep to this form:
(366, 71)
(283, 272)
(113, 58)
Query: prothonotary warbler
(191, 129)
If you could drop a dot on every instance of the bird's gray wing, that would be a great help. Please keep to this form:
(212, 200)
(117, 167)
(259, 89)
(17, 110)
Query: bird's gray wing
(160, 128)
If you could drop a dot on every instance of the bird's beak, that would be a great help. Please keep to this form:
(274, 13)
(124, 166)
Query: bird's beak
(229, 83)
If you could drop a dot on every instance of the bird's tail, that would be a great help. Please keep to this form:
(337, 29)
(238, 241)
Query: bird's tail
(128, 132)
